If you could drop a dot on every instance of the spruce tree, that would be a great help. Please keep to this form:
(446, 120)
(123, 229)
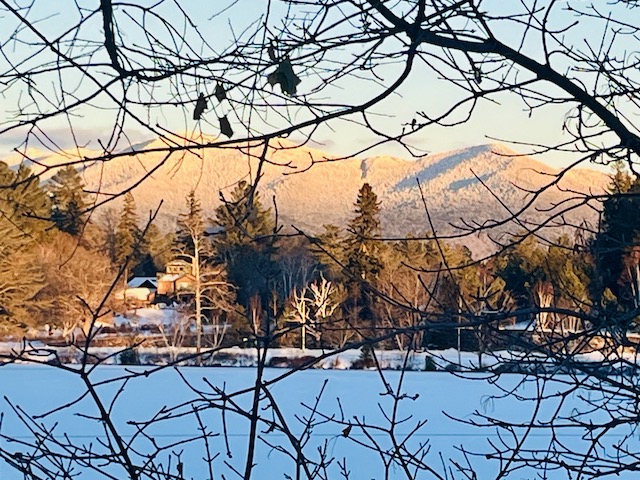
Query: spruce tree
(127, 234)
(23, 207)
(363, 253)
(189, 223)
(362, 241)
(242, 238)
(615, 247)
(69, 201)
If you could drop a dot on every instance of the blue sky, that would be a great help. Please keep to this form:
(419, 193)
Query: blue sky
(504, 118)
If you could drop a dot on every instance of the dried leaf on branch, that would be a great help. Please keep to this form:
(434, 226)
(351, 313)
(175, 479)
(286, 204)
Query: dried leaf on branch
(285, 77)
(225, 126)
(201, 106)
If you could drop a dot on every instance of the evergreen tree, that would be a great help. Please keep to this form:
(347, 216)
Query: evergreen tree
(527, 278)
(521, 267)
(362, 253)
(570, 270)
(544, 277)
(242, 219)
(242, 238)
(189, 222)
(107, 224)
(616, 246)
(406, 284)
(127, 234)
(328, 248)
(460, 282)
(69, 200)
(362, 242)
(150, 249)
(23, 206)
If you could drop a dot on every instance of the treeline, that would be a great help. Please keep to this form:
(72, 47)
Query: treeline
(52, 259)
(59, 259)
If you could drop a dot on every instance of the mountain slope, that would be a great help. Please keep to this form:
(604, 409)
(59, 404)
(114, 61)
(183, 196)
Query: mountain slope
(464, 184)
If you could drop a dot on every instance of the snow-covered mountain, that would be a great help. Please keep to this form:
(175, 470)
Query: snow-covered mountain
(310, 188)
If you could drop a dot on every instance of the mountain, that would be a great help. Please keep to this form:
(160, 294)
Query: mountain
(478, 185)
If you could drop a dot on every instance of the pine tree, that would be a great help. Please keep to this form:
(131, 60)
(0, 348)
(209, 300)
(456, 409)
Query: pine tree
(522, 267)
(69, 201)
(242, 219)
(212, 291)
(615, 247)
(242, 238)
(127, 234)
(189, 222)
(23, 207)
(363, 251)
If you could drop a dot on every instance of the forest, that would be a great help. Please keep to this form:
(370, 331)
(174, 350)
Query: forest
(62, 262)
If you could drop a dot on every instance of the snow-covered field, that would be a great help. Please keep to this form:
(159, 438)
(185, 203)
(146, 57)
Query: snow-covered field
(349, 396)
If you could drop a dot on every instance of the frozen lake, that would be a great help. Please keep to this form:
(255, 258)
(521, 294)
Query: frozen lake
(349, 397)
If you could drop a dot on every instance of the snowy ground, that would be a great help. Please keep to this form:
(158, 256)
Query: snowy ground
(439, 360)
(153, 326)
(350, 396)
(434, 396)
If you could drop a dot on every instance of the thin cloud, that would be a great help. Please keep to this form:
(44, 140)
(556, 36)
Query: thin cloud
(62, 138)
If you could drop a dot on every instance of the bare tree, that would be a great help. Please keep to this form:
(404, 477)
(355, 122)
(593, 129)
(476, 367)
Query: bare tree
(393, 70)
(212, 291)
(74, 277)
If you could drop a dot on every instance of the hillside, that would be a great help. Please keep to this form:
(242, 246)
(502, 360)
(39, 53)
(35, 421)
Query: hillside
(325, 193)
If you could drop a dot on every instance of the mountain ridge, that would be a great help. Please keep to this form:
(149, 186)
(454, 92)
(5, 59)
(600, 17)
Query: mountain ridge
(311, 188)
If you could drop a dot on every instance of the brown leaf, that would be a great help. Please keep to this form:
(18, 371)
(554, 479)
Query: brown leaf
(477, 74)
(271, 51)
(225, 126)
(285, 77)
(220, 92)
(346, 431)
(201, 106)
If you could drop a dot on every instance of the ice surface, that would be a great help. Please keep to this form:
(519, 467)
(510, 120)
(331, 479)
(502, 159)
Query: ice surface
(38, 389)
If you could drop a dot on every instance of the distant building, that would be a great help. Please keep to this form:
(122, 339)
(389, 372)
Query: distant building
(143, 282)
(140, 291)
(176, 283)
(176, 279)
(178, 266)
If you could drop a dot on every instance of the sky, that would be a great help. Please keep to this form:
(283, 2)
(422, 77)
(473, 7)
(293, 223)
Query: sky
(505, 118)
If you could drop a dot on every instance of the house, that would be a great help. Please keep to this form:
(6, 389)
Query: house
(143, 282)
(140, 291)
(178, 267)
(176, 279)
(176, 283)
